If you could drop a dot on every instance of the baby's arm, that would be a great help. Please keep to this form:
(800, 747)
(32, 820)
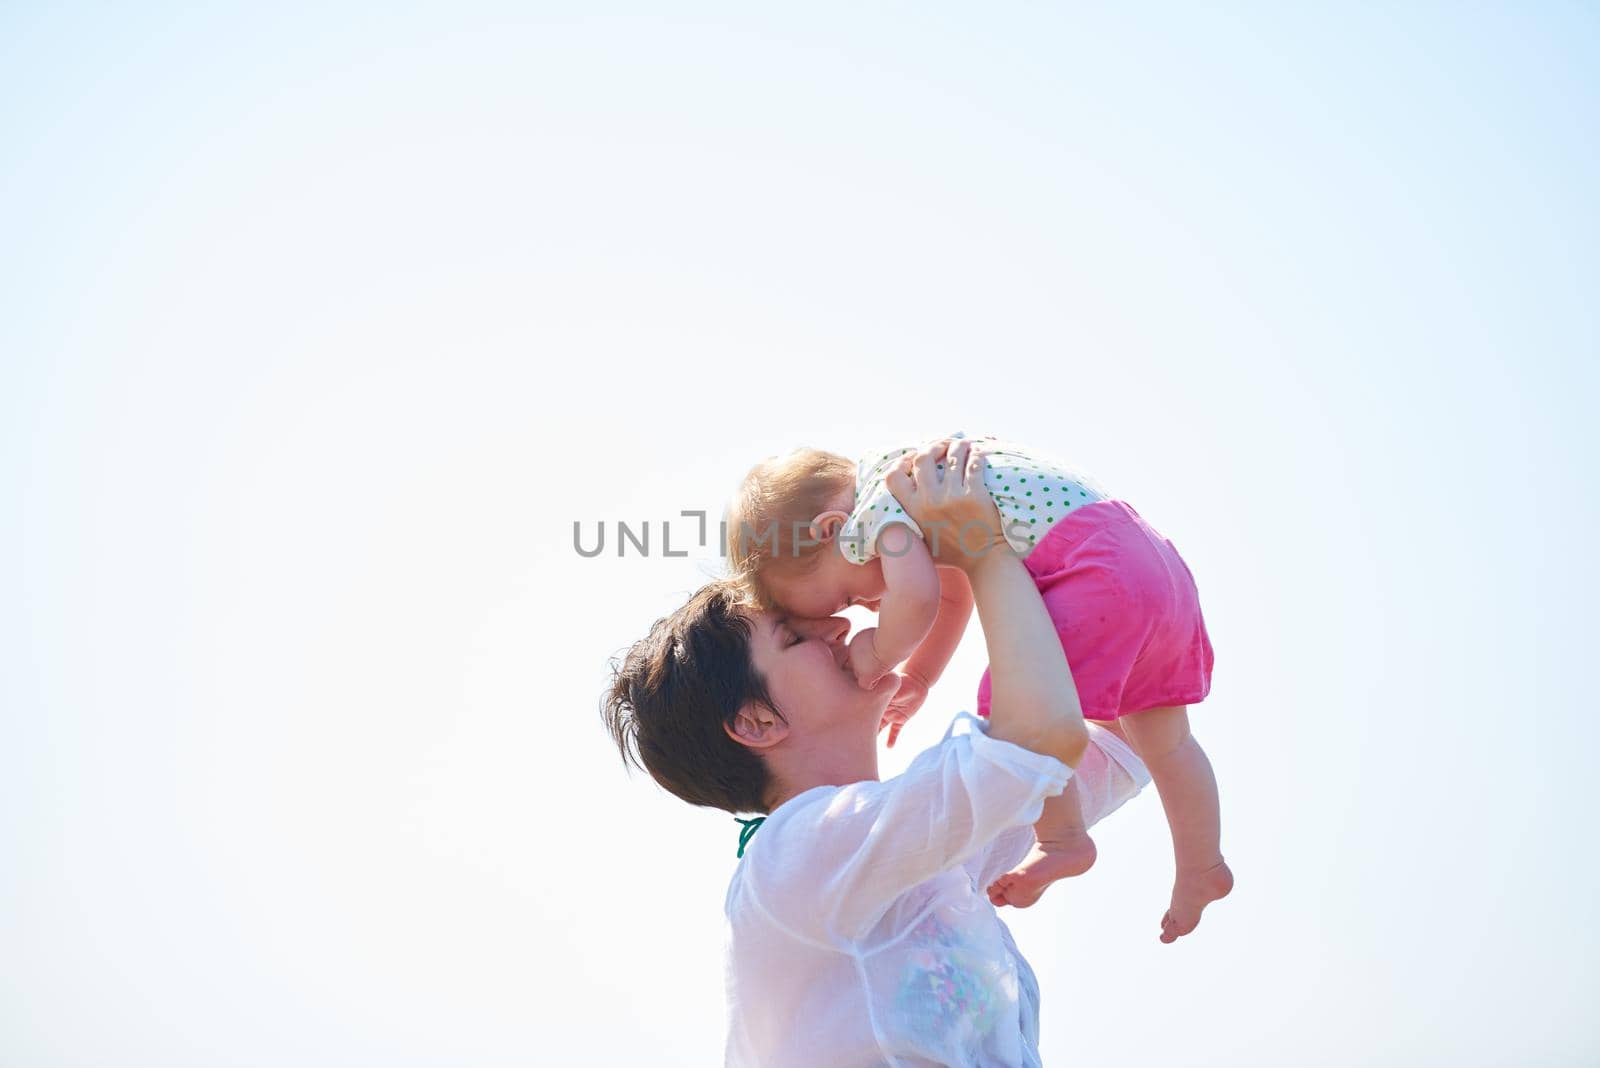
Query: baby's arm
(955, 609)
(908, 608)
(924, 667)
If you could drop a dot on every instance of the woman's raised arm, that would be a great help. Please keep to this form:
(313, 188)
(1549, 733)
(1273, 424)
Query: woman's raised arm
(1034, 702)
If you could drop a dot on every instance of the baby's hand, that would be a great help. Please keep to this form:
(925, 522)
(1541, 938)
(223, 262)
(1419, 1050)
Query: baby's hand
(864, 659)
(907, 699)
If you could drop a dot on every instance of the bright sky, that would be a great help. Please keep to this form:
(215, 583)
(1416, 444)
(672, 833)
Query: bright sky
(322, 330)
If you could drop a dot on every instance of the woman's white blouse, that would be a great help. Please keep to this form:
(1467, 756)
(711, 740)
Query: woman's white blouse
(859, 928)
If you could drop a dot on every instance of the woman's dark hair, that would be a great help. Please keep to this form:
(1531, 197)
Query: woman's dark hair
(672, 693)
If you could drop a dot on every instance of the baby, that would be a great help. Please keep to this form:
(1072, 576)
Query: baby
(813, 532)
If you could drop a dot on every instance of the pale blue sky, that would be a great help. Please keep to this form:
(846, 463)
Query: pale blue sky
(323, 327)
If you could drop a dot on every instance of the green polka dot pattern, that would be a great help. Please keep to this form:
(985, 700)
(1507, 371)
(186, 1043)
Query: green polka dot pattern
(1014, 474)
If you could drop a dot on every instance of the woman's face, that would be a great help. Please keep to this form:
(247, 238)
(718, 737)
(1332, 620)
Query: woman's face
(808, 674)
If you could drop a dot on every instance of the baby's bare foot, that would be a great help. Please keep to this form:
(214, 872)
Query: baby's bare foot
(1190, 895)
(1044, 864)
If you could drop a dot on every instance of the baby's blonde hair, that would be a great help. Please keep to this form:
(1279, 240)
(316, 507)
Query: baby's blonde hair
(768, 519)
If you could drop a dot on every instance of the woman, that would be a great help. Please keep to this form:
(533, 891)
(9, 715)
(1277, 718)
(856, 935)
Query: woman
(860, 931)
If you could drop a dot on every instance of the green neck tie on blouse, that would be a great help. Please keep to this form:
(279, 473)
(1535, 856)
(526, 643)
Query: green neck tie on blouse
(747, 830)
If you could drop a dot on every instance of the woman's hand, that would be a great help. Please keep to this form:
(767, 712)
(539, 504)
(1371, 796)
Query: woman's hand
(941, 487)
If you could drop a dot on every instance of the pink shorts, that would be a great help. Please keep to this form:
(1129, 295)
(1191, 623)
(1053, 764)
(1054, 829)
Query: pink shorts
(1126, 609)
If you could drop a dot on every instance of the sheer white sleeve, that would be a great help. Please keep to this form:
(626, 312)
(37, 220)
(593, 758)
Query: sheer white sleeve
(837, 863)
(1108, 776)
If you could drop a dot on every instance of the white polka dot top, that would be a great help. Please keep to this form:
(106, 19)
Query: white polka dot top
(1032, 491)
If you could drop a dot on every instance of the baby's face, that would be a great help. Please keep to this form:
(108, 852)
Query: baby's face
(828, 589)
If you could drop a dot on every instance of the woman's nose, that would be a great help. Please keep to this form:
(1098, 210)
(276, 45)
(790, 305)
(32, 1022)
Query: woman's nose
(829, 628)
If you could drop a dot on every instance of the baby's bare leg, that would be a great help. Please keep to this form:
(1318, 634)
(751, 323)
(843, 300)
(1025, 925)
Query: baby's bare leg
(1188, 792)
(1062, 849)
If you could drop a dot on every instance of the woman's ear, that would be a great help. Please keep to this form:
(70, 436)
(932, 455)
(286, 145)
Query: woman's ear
(757, 727)
(827, 524)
